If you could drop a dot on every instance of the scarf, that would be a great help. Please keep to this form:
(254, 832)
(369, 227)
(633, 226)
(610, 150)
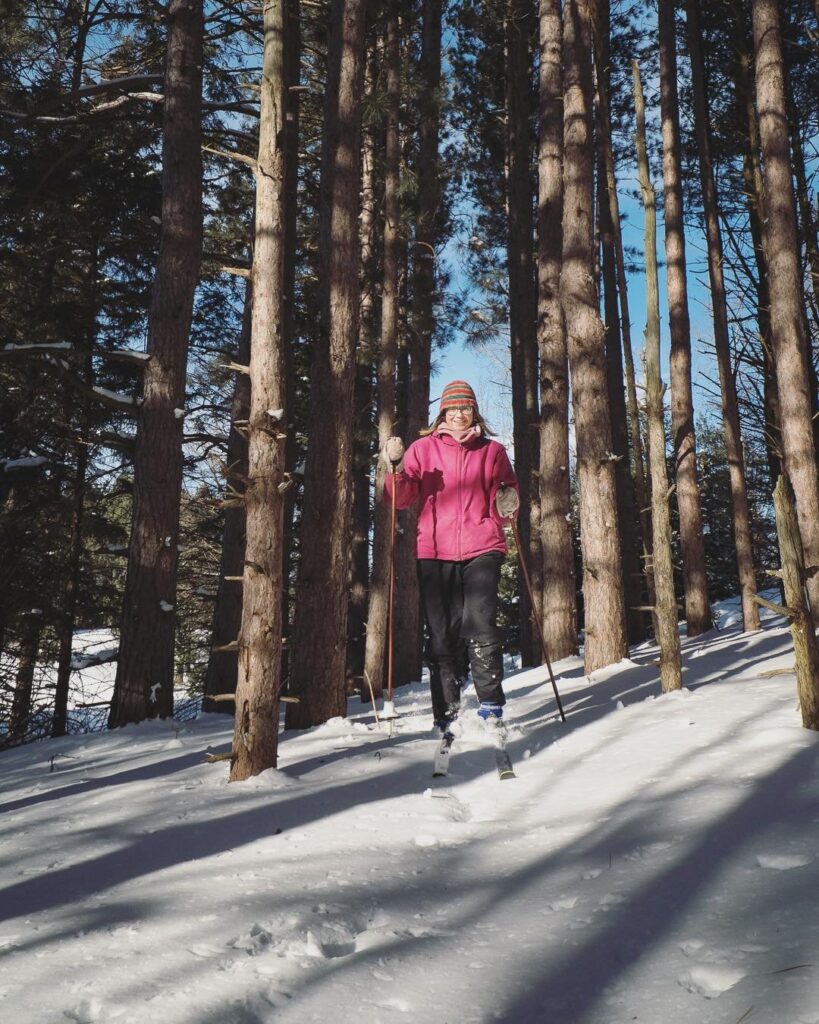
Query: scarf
(461, 436)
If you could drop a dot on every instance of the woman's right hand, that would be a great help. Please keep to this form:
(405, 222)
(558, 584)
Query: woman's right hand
(394, 453)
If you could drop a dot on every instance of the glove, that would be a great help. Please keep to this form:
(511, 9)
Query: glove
(507, 502)
(393, 453)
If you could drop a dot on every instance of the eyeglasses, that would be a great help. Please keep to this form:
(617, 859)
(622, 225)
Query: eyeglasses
(462, 409)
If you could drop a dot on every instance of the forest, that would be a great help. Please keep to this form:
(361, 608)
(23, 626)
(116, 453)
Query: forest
(235, 238)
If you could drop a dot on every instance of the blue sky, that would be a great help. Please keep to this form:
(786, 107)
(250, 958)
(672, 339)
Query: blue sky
(485, 370)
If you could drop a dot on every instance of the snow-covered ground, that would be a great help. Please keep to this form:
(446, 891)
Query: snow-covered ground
(655, 860)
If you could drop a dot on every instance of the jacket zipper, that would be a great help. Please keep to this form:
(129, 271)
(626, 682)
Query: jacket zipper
(460, 500)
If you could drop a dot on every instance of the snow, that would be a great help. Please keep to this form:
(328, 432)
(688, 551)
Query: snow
(27, 462)
(654, 860)
(115, 396)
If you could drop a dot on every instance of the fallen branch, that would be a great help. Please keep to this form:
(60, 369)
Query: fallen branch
(779, 609)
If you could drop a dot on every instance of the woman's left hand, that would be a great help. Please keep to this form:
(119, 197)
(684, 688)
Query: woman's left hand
(507, 502)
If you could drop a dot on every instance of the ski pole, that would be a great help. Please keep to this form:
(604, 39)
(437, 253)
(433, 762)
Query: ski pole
(523, 569)
(389, 707)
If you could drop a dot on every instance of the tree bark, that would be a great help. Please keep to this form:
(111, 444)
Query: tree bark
(807, 222)
(641, 488)
(145, 669)
(292, 68)
(364, 397)
(806, 235)
(69, 610)
(522, 295)
(627, 512)
(785, 284)
(385, 377)
(559, 605)
(752, 176)
(407, 662)
(599, 533)
(32, 624)
(805, 647)
(697, 606)
(256, 730)
(665, 606)
(319, 631)
(222, 673)
(722, 343)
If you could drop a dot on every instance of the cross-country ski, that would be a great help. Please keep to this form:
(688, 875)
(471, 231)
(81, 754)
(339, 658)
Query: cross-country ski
(371, 374)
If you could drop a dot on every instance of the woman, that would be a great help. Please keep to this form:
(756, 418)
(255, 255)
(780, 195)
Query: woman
(464, 488)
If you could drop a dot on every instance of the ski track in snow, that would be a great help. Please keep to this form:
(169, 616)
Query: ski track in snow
(654, 861)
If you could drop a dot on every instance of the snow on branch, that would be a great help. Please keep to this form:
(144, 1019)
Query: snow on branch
(65, 348)
(114, 400)
(129, 85)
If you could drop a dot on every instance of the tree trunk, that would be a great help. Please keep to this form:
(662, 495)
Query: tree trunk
(722, 344)
(559, 611)
(255, 739)
(641, 488)
(805, 648)
(522, 296)
(627, 512)
(599, 533)
(69, 609)
(697, 607)
(145, 669)
(379, 579)
(68, 612)
(407, 663)
(408, 635)
(30, 628)
(752, 176)
(319, 631)
(222, 672)
(668, 637)
(292, 70)
(806, 235)
(807, 221)
(364, 397)
(359, 531)
(785, 284)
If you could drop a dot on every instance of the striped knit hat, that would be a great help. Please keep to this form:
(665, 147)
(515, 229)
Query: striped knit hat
(456, 394)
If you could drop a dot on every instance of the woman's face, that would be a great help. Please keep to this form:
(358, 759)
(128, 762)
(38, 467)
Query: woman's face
(460, 418)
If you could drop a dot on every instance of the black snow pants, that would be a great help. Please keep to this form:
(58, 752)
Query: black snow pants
(460, 602)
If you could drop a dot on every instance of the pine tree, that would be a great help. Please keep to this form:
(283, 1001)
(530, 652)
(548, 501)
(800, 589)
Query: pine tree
(599, 533)
(730, 414)
(697, 608)
(319, 631)
(784, 283)
(665, 607)
(255, 740)
(559, 615)
(145, 669)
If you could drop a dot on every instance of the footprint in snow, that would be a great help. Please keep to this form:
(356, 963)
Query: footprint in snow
(395, 1003)
(89, 1011)
(692, 946)
(711, 980)
(783, 861)
(611, 899)
(567, 903)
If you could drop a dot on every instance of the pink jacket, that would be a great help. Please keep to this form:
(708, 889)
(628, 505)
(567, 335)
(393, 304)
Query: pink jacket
(454, 486)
